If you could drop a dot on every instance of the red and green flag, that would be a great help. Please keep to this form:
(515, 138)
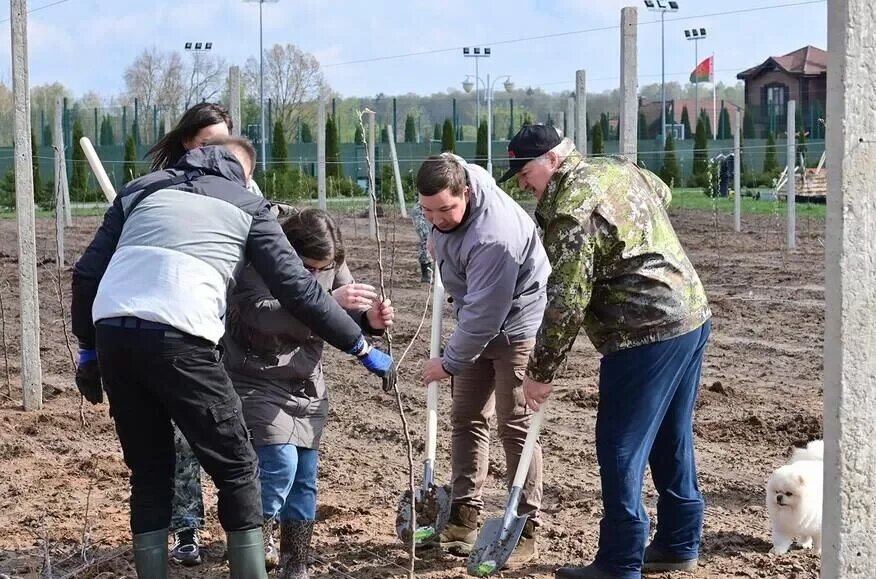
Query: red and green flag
(705, 71)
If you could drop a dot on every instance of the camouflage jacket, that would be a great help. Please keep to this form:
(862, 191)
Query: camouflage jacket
(619, 269)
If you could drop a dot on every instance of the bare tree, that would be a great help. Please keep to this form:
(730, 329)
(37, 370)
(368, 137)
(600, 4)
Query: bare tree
(206, 78)
(292, 78)
(155, 78)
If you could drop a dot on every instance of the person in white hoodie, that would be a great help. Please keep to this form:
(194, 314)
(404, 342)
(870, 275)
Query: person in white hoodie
(495, 270)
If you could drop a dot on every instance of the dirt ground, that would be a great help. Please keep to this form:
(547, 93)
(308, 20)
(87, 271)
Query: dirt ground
(62, 484)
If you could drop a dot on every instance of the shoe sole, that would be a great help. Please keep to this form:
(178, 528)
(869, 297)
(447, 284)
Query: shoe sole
(459, 548)
(187, 562)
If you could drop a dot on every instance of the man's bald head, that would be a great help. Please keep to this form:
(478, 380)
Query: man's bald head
(241, 148)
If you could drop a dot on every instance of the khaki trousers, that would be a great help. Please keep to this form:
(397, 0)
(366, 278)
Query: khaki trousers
(492, 386)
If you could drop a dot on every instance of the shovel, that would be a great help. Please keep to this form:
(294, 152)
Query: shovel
(499, 536)
(432, 502)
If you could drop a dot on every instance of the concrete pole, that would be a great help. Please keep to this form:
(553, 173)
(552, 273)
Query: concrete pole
(62, 189)
(737, 170)
(61, 184)
(398, 180)
(31, 369)
(234, 99)
(320, 153)
(792, 182)
(570, 118)
(581, 111)
(850, 319)
(628, 127)
(372, 167)
(60, 179)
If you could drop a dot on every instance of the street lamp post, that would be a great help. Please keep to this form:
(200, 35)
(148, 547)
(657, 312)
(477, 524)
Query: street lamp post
(467, 85)
(196, 48)
(477, 53)
(696, 34)
(262, 82)
(662, 6)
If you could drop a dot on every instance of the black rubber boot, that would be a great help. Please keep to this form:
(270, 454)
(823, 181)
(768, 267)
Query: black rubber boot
(150, 554)
(295, 539)
(425, 273)
(246, 554)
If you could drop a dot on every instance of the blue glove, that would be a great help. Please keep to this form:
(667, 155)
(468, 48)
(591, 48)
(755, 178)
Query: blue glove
(88, 377)
(381, 364)
(377, 362)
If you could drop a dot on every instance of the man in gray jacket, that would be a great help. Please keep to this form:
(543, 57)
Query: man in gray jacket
(495, 270)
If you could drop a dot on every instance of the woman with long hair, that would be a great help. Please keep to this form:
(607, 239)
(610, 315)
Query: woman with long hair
(275, 364)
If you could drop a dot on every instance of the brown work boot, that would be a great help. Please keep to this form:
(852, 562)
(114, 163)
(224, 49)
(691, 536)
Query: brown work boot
(527, 548)
(461, 532)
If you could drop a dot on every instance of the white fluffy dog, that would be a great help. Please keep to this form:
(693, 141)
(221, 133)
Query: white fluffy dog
(794, 496)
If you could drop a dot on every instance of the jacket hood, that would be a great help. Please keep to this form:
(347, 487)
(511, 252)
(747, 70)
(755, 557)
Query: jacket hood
(215, 160)
(477, 180)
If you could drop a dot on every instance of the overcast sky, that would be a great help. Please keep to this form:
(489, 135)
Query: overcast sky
(87, 44)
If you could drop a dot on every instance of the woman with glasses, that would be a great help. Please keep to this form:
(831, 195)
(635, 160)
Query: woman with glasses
(275, 364)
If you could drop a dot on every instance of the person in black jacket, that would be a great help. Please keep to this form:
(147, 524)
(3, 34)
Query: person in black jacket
(149, 298)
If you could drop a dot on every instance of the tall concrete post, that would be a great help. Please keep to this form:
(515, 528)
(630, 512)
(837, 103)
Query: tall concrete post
(792, 181)
(850, 319)
(372, 167)
(570, 118)
(62, 187)
(737, 171)
(628, 127)
(60, 179)
(234, 98)
(31, 368)
(320, 153)
(581, 111)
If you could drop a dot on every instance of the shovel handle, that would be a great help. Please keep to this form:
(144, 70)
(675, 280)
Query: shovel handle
(529, 446)
(434, 352)
(97, 167)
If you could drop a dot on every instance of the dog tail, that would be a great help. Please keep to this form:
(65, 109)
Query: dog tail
(813, 451)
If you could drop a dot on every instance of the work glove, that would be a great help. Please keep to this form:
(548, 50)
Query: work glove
(88, 377)
(377, 362)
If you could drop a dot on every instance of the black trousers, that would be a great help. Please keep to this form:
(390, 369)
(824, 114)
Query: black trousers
(153, 374)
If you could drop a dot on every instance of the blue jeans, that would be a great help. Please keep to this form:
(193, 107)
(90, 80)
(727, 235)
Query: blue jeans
(288, 476)
(645, 416)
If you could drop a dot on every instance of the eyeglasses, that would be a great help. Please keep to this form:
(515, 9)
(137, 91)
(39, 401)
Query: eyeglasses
(312, 269)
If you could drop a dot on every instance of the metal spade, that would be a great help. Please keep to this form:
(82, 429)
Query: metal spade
(499, 536)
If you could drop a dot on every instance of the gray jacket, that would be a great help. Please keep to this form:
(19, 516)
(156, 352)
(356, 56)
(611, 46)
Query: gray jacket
(275, 364)
(494, 267)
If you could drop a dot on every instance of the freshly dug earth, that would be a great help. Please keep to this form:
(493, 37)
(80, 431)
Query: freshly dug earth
(62, 484)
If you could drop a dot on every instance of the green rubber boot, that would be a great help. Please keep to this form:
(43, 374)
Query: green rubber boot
(246, 554)
(150, 554)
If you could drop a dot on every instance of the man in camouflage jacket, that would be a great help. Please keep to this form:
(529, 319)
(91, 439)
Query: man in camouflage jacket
(620, 273)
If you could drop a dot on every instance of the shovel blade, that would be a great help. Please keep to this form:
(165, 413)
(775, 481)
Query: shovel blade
(433, 512)
(493, 547)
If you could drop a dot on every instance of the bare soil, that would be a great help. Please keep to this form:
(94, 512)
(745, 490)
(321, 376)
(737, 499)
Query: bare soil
(62, 484)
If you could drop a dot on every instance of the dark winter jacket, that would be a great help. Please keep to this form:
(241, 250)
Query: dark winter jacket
(275, 364)
(171, 257)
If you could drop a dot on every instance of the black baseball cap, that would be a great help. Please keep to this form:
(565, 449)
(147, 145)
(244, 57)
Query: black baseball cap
(530, 142)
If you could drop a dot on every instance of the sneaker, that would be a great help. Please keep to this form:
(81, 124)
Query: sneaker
(461, 532)
(657, 561)
(527, 549)
(186, 548)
